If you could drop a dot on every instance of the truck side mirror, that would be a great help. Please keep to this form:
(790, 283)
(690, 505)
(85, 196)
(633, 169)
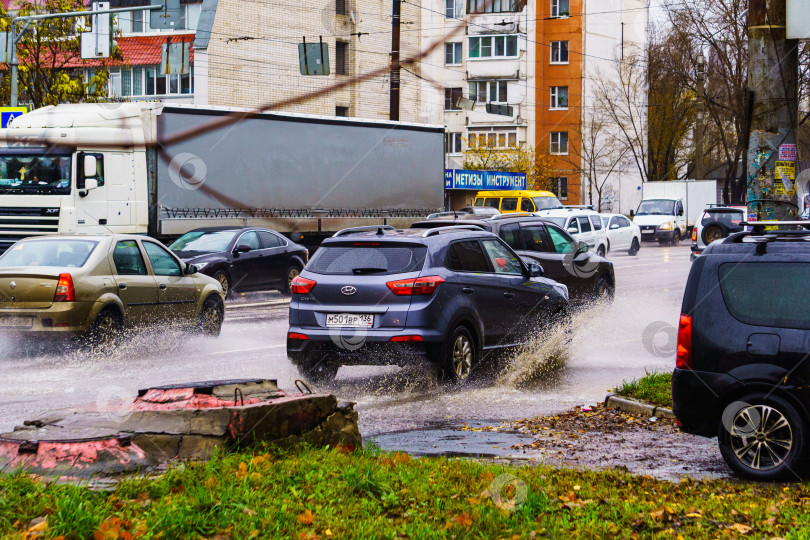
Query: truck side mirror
(632, 213)
(90, 183)
(90, 167)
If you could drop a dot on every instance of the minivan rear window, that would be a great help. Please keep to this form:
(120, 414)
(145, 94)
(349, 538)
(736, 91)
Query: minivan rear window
(785, 305)
(367, 257)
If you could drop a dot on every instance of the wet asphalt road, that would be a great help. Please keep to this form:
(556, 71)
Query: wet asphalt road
(611, 343)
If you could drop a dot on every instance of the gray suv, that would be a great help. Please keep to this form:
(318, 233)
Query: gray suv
(449, 295)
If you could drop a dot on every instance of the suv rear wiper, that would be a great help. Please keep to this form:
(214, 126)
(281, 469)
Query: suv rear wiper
(369, 270)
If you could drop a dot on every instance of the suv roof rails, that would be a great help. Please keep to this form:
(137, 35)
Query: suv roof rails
(454, 213)
(450, 228)
(379, 228)
(512, 214)
(760, 227)
(579, 206)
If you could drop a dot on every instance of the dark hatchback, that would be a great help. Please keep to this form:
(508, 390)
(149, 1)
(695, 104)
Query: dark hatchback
(243, 259)
(742, 371)
(587, 275)
(447, 295)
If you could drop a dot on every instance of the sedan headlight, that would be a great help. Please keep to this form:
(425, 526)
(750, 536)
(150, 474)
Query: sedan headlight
(200, 266)
(666, 226)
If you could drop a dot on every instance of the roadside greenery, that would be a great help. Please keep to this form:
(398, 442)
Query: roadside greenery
(322, 493)
(655, 388)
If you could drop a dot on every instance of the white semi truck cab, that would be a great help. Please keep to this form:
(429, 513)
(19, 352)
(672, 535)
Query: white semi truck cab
(54, 179)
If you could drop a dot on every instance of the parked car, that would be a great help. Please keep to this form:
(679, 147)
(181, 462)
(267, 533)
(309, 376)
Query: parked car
(741, 372)
(716, 223)
(583, 225)
(96, 286)
(565, 260)
(243, 259)
(622, 234)
(517, 201)
(387, 296)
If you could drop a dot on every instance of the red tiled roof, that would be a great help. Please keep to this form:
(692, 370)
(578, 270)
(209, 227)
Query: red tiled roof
(137, 51)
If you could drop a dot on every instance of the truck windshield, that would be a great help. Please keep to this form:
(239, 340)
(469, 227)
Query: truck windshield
(36, 175)
(655, 207)
(547, 203)
(203, 242)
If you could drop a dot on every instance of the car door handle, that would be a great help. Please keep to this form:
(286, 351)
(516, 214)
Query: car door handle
(122, 286)
(162, 286)
(467, 290)
(509, 295)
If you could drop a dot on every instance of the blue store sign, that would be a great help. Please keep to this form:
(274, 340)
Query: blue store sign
(461, 179)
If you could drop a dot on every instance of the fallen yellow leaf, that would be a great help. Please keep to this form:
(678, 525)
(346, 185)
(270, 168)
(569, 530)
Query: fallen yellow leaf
(306, 518)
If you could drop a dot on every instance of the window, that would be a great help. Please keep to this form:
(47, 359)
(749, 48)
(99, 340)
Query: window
(559, 8)
(452, 54)
(452, 143)
(453, 9)
(60, 253)
(128, 259)
(559, 97)
(584, 224)
(163, 264)
(503, 261)
(493, 202)
(559, 143)
(99, 176)
(114, 85)
(137, 21)
(559, 52)
(494, 137)
(341, 111)
(386, 259)
(270, 240)
(148, 82)
(491, 6)
(559, 186)
(451, 96)
(340, 7)
(785, 280)
(489, 91)
(509, 204)
(249, 239)
(511, 235)
(340, 57)
(596, 222)
(466, 257)
(534, 238)
(526, 205)
(562, 242)
(493, 47)
(623, 221)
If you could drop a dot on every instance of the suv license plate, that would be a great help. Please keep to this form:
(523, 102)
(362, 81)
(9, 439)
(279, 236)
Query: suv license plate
(351, 320)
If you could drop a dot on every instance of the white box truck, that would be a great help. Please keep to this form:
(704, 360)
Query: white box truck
(96, 168)
(669, 209)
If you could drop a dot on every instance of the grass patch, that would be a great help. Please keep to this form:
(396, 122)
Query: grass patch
(655, 388)
(322, 493)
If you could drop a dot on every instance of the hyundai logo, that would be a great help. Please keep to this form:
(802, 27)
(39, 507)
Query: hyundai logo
(348, 290)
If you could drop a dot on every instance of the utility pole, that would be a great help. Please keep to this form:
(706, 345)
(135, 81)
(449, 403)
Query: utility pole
(773, 71)
(395, 23)
(701, 114)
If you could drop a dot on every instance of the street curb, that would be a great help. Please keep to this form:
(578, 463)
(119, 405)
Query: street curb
(637, 407)
(258, 304)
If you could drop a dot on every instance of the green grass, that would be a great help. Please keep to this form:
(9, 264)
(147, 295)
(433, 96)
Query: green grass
(655, 388)
(309, 493)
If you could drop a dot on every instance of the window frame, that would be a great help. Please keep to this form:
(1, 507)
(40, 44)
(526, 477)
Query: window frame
(453, 143)
(560, 135)
(555, 11)
(454, 49)
(543, 232)
(341, 57)
(451, 246)
(140, 254)
(556, 93)
(558, 47)
(555, 183)
(168, 253)
(492, 47)
(457, 9)
(450, 94)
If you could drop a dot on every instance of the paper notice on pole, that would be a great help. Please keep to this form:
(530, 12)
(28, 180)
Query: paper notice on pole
(787, 152)
(786, 174)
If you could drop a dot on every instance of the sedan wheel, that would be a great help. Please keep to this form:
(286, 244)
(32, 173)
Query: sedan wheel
(633, 248)
(106, 331)
(224, 281)
(211, 317)
(292, 273)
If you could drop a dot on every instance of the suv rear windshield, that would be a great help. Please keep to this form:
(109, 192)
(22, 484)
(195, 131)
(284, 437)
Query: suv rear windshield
(59, 253)
(728, 217)
(784, 306)
(367, 258)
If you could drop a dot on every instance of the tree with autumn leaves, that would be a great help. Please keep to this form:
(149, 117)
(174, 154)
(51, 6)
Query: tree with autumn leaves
(48, 52)
(485, 155)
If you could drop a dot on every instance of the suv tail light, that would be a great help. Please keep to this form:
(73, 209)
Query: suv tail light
(694, 234)
(421, 285)
(301, 285)
(64, 289)
(683, 360)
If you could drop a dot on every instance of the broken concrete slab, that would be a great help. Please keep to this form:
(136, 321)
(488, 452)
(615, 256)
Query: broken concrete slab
(181, 421)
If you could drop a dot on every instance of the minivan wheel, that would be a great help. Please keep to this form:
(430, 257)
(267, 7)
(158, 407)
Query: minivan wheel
(459, 356)
(762, 438)
(633, 251)
(319, 370)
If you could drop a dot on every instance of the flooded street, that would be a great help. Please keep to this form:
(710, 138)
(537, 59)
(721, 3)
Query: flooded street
(611, 343)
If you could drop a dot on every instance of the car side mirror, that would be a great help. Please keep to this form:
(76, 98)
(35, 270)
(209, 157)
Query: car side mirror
(535, 270)
(582, 247)
(614, 226)
(573, 230)
(242, 248)
(190, 269)
(680, 212)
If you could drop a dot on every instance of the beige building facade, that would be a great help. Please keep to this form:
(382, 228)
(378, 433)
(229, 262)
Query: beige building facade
(246, 55)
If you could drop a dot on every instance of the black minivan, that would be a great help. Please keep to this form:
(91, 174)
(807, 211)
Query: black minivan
(743, 357)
